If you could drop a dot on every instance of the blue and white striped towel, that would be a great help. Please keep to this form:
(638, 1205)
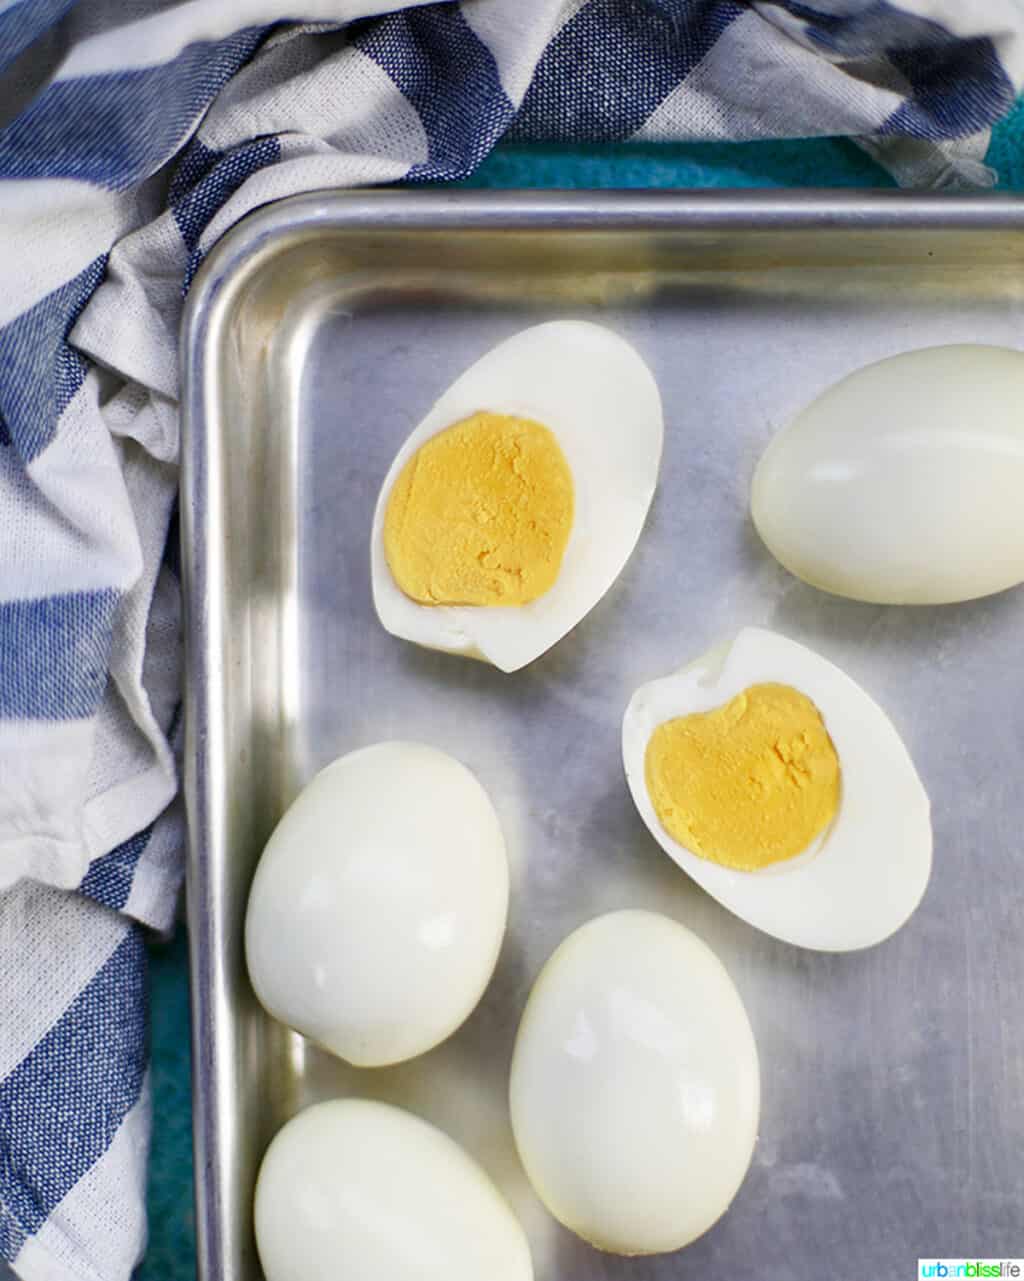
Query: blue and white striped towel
(131, 137)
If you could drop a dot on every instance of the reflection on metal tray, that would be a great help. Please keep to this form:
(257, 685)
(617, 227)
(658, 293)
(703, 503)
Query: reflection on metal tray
(321, 330)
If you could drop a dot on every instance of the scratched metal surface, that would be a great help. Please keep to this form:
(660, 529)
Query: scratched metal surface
(892, 1118)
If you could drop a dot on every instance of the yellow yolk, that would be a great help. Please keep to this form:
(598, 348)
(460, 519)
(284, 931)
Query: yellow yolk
(748, 784)
(481, 514)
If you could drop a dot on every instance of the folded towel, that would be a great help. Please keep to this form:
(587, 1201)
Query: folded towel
(129, 142)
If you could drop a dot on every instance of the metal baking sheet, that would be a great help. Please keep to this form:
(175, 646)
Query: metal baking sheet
(321, 330)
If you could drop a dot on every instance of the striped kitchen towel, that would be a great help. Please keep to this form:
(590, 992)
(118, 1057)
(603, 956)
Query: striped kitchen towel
(131, 138)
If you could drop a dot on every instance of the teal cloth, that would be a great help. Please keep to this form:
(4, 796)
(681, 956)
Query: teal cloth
(818, 163)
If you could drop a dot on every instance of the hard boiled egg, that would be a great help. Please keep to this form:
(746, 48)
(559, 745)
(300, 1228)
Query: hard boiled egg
(902, 484)
(773, 779)
(635, 1087)
(378, 907)
(515, 504)
(353, 1191)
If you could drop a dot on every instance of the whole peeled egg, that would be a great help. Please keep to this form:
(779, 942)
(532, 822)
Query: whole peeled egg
(379, 903)
(351, 1190)
(902, 483)
(513, 506)
(635, 1088)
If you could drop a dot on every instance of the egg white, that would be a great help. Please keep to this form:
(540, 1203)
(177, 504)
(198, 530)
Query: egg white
(351, 1189)
(594, 392)
(635, 1086)
(378, 907)
(866, 875)
(902, 483)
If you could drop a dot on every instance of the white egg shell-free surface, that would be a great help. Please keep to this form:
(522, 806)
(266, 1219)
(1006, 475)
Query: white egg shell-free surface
(635, 1087)
(378, 907)
(351, 1190)
(869, 871)
(594, 392)
(902, 484)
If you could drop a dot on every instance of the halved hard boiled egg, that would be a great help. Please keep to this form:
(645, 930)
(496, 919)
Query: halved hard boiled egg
(775, 782)
(635, 1088)
(514, 505)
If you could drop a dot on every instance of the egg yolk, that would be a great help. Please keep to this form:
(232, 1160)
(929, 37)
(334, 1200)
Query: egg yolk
(481, 514)
(748, 784)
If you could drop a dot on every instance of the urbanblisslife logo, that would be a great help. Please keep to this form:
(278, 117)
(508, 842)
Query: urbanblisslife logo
(950, 1269)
